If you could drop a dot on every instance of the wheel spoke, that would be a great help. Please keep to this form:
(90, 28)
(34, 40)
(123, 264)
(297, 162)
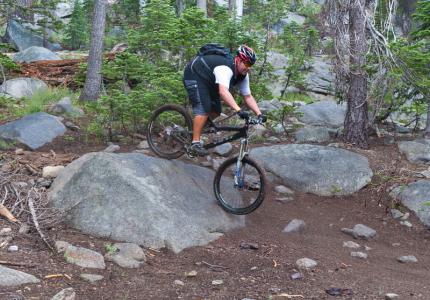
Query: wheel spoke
(239, 191)
(168, 131)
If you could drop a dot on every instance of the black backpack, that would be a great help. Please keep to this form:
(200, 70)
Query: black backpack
(214, 49)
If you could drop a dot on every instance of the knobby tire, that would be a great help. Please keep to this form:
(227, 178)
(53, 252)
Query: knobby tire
(165, 147)
(223, 174)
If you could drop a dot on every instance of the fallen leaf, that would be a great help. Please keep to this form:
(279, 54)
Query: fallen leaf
(191, 274)
(6, 213)
(217, 282)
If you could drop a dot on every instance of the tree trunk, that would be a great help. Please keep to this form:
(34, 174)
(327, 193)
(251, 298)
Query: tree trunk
(239, 9)
(338, 17)
(180, 7)
(94, 77)
(427, 129)
(356, 119)
(236, 6)
(203, 6)
(231, 6)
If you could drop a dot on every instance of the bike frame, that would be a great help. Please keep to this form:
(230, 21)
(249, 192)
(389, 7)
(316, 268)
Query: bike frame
(241, 132)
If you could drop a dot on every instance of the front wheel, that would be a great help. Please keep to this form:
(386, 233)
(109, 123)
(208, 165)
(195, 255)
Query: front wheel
(240, 186)
(169, 130)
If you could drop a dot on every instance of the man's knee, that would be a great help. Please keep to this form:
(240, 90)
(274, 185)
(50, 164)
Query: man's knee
(200, 115)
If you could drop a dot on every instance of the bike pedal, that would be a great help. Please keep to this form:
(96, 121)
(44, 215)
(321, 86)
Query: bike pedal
(189, 153)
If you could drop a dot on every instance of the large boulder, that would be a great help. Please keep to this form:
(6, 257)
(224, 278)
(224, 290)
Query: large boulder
(290, 17)
(23, 38)
(404, 117)
(33, 130)
(321, 97)
(417, 151)
(312, 134)
(416, 197)
(320, 170)
(279, 62)
(323, 113)
(64, 9)
(320, 77)
(270, 106)
(35, 53)
(65, 106)
(22, 87)
(140, 199)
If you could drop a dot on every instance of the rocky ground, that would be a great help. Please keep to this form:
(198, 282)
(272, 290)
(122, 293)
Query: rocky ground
(256, 262)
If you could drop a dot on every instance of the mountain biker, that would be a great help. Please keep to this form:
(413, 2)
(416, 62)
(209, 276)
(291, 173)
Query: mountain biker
(208, 78)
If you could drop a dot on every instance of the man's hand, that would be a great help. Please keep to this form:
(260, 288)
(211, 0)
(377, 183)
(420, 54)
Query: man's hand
(243, 114)
(261, 118)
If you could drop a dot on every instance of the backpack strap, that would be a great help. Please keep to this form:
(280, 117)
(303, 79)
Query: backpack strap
(205, 63)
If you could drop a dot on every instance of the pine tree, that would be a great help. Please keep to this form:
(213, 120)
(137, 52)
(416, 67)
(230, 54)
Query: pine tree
(422, 58)
(46, 19)
(128, 11)
(415, 53)
(157, 32)
(76, 30)
(88, 6)
(28, 10)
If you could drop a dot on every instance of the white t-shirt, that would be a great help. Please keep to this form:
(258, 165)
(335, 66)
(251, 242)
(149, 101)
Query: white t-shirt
(223, 76)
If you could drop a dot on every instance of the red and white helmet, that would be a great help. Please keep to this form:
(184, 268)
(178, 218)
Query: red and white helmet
(246, 54)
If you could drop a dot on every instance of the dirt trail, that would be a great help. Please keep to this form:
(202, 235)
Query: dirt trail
(263, 273)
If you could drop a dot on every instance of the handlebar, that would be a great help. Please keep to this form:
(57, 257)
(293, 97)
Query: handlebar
(250, 120)
(253, 121)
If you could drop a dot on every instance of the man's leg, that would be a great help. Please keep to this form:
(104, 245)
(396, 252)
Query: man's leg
(198, 123)
(197, 146)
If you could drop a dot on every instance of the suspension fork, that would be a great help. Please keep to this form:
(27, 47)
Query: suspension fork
(238, 173)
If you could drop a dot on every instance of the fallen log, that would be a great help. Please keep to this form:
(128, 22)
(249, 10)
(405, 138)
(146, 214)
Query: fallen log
(54, 72)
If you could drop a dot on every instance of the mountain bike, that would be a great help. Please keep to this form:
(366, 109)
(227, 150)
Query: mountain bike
(239, 183)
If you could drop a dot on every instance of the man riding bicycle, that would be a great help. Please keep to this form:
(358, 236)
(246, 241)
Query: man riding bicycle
(208, 78)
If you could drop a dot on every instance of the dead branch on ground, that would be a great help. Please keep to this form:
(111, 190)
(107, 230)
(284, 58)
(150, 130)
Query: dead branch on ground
(23, 200)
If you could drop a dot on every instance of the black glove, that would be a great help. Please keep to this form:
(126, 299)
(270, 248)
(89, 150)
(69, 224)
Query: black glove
(243, 114)
(261, 118)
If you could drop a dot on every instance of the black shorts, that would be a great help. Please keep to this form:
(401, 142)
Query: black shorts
(203, 96)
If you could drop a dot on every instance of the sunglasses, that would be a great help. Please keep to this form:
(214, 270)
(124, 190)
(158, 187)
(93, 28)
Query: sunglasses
(247, 64)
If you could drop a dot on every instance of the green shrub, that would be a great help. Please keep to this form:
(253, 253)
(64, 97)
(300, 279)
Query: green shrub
(6, 63)
(6, 145)
(39, 101)
(294, 97)
(7, 107)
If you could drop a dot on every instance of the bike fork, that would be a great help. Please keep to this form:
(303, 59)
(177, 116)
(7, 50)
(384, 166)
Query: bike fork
(239, 171)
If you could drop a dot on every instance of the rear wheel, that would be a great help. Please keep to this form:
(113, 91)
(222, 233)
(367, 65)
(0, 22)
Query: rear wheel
(240, 187)
(169, 130)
